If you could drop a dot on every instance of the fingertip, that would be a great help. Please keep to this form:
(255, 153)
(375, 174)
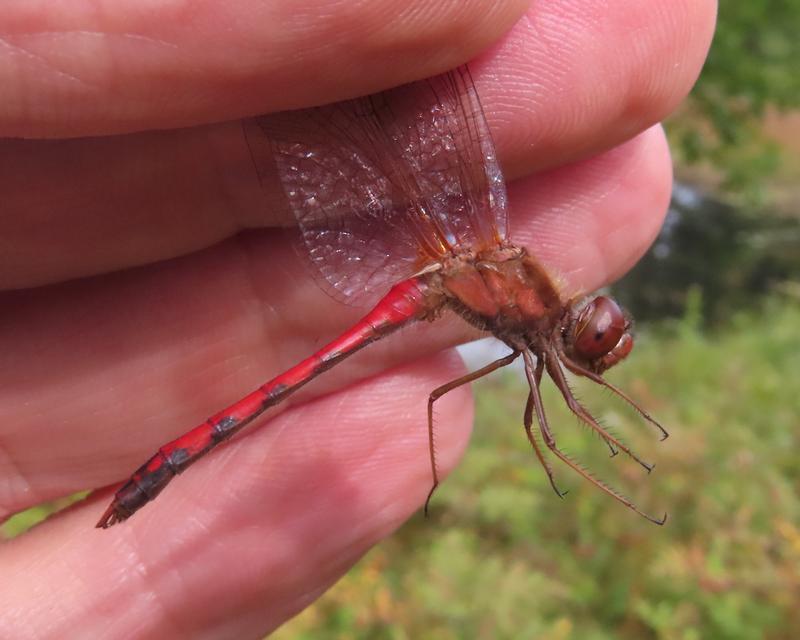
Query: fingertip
(574, 78)
(591, 220)
(123, 70)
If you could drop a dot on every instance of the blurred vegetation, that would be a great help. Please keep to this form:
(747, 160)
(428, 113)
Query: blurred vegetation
(752, 70)
(503, 557)
(736, 259)
(23, 521)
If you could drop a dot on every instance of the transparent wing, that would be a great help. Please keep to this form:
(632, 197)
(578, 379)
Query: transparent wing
(383, 185)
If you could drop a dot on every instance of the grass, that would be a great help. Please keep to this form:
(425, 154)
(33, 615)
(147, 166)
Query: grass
(503, 557)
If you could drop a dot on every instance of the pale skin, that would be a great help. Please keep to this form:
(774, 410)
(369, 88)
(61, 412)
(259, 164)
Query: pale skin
(96, 372)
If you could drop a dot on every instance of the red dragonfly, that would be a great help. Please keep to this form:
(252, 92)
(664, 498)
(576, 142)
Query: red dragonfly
(404, 187)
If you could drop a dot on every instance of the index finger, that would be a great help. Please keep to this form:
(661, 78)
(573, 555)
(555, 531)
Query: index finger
(73, 70)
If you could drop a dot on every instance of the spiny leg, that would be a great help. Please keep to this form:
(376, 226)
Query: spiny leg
(614, 451)
(439, 392)
(557, 375)
(577, 369)
(538, 375)
(528, 421)
(551, 444)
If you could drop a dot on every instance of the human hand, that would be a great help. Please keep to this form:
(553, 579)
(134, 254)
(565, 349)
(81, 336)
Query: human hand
(168, 296)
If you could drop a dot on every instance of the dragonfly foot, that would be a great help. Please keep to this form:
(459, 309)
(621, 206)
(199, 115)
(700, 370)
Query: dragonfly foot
(112, 516)
(426, 509)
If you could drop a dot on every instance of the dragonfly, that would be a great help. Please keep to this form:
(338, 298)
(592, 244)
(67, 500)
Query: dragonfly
(402, 191)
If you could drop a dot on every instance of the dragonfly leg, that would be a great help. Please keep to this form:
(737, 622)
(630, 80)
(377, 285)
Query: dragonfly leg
(543, 427)
(557, 375)
(578, 370)
(535, 394)
(439, 392)
(614, 451)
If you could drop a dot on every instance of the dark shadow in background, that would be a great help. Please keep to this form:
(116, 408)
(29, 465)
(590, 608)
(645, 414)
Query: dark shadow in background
(735, 258)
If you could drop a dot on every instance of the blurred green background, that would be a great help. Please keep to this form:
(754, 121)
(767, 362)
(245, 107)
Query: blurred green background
(503, 557)
(717, 302)
(717, 360)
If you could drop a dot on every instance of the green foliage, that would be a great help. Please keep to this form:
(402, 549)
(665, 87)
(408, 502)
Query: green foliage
(503, 557)
(23, 521)
(752, 66)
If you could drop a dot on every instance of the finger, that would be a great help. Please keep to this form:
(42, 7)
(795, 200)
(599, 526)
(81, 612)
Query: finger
(254, 534)
(591, 221)
(75, 208)
(98, 373)
(591, 75)
(80, 71)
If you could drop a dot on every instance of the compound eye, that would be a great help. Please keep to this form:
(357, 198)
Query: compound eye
(599, 328)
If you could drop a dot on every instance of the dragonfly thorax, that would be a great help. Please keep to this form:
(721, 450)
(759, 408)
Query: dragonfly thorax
(503, 290)
(507, 292)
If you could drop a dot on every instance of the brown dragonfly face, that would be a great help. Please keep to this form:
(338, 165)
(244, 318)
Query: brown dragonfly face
(599, 336)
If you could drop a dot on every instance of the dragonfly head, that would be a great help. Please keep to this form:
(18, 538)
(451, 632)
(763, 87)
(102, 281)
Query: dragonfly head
(598, 336)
